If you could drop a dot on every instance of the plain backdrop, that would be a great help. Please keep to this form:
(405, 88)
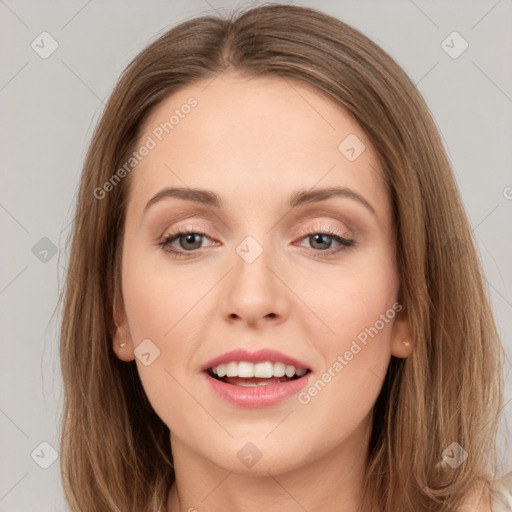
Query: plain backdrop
(51, 103)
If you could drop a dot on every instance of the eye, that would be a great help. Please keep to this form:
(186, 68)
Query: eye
(188, 240)
(321, 241)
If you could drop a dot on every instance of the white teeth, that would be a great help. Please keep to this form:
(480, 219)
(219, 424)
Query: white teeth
(279, 369)
(264, 370)
(289, 371)
(232, 369)
(245, 369)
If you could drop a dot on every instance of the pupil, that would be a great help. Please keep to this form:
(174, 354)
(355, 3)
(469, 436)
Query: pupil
(321, 236)
(190, 238)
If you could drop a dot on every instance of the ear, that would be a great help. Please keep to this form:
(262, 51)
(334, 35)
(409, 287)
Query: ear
(121, 338)
(401, 336)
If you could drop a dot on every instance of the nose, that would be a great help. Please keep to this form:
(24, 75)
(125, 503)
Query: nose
(255, 294)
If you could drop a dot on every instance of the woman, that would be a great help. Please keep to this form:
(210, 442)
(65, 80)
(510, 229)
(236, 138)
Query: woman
(325, 341)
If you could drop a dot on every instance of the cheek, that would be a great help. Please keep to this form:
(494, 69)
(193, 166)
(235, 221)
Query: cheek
(158, 300)
(355, 358)
(156, 306)
(351, 297)
(357, 308)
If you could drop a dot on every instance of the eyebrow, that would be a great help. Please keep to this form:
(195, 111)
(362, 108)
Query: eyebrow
(209, 198)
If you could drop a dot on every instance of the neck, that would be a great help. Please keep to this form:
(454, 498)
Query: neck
(331, 481)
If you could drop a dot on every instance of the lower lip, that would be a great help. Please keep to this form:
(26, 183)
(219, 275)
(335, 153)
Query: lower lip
(256, 396)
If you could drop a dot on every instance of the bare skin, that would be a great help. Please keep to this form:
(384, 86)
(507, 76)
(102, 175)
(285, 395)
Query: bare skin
(255, 142)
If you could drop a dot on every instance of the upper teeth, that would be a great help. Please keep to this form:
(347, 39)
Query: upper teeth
(263, 370)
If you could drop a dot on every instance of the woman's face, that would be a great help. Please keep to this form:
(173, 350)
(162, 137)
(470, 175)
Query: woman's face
(265, 270)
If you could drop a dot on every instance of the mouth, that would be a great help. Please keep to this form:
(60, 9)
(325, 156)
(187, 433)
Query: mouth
(256, 385)
(247, 374)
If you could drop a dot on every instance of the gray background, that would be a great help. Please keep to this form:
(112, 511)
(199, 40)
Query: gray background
(49, 109)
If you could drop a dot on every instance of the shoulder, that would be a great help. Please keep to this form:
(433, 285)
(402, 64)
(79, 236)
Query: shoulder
(501, 494)
(497, 498)
(478, 500)
(477, 503)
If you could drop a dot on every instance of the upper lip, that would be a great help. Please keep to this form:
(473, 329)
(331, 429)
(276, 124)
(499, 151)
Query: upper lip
(259, 356)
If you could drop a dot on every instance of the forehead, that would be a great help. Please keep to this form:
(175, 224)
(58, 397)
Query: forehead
(253, 136)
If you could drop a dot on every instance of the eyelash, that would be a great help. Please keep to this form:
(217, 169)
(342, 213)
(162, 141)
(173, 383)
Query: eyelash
(345, 243)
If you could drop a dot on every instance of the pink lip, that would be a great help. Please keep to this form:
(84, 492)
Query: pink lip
(260, 356)
(257, 396)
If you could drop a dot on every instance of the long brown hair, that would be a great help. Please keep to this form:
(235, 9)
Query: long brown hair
(115, 450)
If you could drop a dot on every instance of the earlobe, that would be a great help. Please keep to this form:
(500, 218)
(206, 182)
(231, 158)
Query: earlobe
(122, 345)
(401, 349)
(401, 338)
(121, 339)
